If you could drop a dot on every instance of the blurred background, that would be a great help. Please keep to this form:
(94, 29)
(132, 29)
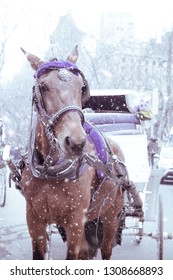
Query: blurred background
(125, 45)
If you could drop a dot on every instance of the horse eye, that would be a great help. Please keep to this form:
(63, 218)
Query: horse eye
(44, 88)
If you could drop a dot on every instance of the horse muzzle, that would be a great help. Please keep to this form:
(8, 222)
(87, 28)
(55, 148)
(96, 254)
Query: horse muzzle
(74, 148)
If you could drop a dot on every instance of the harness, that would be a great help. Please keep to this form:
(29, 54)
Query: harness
(105, 161)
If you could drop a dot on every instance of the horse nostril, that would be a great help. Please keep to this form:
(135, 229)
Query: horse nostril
(81, 145)
(73, 146)
(67, 141)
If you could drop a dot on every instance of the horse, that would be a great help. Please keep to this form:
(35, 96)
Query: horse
(59, 179)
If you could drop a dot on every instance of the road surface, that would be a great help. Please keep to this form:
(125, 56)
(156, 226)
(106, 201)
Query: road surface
(15, 243)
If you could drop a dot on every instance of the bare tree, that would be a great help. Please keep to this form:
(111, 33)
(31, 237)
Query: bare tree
(6, 31)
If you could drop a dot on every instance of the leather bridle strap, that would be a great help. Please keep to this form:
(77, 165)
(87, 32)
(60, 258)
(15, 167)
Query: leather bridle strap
(55, 117)
(50, 120)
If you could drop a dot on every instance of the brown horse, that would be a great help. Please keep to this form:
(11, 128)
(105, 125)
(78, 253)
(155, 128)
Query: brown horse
(58, 183)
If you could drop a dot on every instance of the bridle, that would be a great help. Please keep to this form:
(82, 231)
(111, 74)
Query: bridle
(65, 168)
(49, 120)
(65, 69)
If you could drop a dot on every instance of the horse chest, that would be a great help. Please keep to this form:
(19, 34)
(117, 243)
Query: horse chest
(55, 200)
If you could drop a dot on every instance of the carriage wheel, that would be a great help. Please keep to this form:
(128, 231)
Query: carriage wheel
(2, 186)
(160, 230)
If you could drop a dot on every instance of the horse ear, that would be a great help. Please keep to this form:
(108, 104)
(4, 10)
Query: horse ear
(34, 61)
(73, 57)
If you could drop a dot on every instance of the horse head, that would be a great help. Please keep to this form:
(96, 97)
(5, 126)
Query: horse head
(60, 91)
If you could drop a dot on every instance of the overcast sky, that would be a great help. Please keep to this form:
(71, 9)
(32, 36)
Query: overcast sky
(35, 20)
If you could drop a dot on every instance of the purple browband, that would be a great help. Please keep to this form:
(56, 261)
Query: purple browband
(54, 65)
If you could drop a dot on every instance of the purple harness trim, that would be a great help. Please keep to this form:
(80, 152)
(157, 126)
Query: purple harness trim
(55, 65)
(98, 141)
(99, 144)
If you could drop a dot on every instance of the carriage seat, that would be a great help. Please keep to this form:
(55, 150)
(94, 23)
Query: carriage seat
(107, 122)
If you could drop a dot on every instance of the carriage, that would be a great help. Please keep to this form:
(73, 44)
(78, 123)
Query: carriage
(114, 113)
(75, 176)
(111, 111)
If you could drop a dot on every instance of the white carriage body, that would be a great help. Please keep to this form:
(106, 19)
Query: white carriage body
(136, 158)
(110, 106)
